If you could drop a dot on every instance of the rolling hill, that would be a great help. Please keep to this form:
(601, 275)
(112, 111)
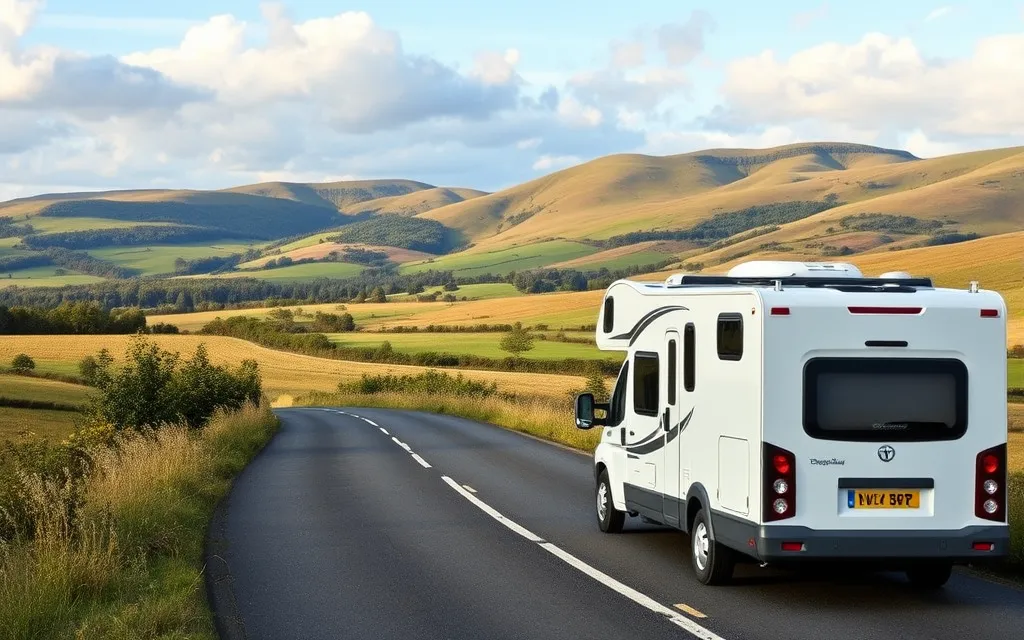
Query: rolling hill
(703, 210)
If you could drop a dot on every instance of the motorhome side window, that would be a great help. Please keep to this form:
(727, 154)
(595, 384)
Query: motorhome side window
(730, 336)
(689, 357)
(645, 384)
(617, 405)
(609, 314)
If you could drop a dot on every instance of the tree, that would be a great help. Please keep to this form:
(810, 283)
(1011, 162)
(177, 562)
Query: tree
(596, 385)
(517, 341)
(88, 366)
(23, 363)
(378, 295)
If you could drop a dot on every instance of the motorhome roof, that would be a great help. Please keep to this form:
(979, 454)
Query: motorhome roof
(770, 273)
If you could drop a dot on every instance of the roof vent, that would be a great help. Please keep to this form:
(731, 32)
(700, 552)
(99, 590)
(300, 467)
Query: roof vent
(784, 269)
(894, 275)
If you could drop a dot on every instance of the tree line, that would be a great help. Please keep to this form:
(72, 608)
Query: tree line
(419, 234)
(129, 236)
(70, 318)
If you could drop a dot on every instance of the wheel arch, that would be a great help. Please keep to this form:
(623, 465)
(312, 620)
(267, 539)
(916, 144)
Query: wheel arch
(697, 499)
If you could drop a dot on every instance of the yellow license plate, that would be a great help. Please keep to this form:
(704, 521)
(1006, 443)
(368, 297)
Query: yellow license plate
(884, 499)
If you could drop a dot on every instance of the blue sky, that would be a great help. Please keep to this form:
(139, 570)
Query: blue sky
(450, 91)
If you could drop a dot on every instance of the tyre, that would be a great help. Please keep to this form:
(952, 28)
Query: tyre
(609, 518)
(930, 576)
(712, 562)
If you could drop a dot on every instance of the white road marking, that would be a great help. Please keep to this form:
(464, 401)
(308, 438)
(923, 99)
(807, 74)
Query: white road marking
(384, 431)
(368, 421)
(675, 618)
(401, 444)
(469, 488)
(421, 461)
(491, 512)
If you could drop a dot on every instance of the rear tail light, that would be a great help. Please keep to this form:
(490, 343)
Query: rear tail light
(780, 311)
(792, 546)
(779, 483)
(983, 546)
(990, 484)
(990, 313)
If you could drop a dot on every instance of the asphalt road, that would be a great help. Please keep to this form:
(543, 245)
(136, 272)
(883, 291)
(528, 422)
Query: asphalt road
(337, 530)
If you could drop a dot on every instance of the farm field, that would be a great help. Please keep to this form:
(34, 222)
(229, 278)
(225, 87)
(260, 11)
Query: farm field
(44, 277)
(16, 424)
(477, 344)
(472, 263)
(159, 259)
(1015, 372)
(557, 310)
(284, 374)
(299, 272)
(17, 387)
(484, 291)
(321, 250)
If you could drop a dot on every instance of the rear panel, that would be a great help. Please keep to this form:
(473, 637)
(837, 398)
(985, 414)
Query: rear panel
(885, 436)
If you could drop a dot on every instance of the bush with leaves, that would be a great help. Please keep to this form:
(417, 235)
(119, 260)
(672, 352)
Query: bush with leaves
(517, 341)
(153, 388)
(23, 362)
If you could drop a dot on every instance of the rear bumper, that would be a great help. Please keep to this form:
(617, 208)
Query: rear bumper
(887, 545)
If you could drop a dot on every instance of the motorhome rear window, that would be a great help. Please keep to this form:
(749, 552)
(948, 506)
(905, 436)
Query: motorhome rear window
(890, 399)
(645, 384)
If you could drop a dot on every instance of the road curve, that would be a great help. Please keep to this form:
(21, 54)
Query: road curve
(370, 523)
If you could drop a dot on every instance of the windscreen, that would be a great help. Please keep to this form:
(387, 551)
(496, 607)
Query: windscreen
(890, 399)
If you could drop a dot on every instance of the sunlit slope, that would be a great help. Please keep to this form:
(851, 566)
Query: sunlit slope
(336, 195)
(415, 202)
(621, 193)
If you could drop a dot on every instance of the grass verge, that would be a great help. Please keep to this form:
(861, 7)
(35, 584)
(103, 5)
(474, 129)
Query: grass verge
(130, 565)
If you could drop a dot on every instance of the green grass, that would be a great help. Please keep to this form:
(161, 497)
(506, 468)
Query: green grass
(44, 277)
(504, 260)
(132, 566)
(308, 241)
(301, 272)
(44, 224)
(1015, 372)
(158, 259)
(477, 344)
(16, 423)
(640, 258)
(42, 390)
(7, 248)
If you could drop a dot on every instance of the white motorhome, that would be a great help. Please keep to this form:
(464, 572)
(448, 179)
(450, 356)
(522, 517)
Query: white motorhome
(800, 411)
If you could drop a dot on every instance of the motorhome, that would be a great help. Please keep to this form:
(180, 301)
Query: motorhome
(792, 411)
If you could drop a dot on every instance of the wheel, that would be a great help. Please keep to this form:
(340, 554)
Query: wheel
(930, 576)
(712, 562)
(609, 518)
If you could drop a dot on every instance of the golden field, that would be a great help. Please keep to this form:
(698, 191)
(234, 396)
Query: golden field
(284, 374)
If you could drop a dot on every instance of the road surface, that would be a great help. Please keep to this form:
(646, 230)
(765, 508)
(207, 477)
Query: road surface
(369, 523)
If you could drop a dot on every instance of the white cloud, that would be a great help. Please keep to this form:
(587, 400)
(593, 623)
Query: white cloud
(627, 55)
(885, 83)
(805, 19)
(552, 163)
(682, 43)
(940, 12)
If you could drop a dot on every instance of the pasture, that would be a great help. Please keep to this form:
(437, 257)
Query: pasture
(1015, 373)
(300, 272)
(159, 259)
(501, 261)
(45, 277)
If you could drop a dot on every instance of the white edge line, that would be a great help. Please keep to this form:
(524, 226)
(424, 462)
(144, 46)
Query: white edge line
(420, 460)
(634, 595)
(384, 431)
(526, 533)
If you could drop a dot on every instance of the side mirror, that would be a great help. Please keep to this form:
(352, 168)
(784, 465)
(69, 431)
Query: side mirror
(585, 410)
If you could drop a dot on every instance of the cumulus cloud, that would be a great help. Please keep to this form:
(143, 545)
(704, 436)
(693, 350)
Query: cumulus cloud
(683, 42)
(47, 78)
(883, 82)
(355, 71)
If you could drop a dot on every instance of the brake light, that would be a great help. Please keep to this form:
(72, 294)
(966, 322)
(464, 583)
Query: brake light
(778, 484)
(792, 546)
(990, 313)
(983, 546)
(990, 484)
(902, 311)
(780, 311)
